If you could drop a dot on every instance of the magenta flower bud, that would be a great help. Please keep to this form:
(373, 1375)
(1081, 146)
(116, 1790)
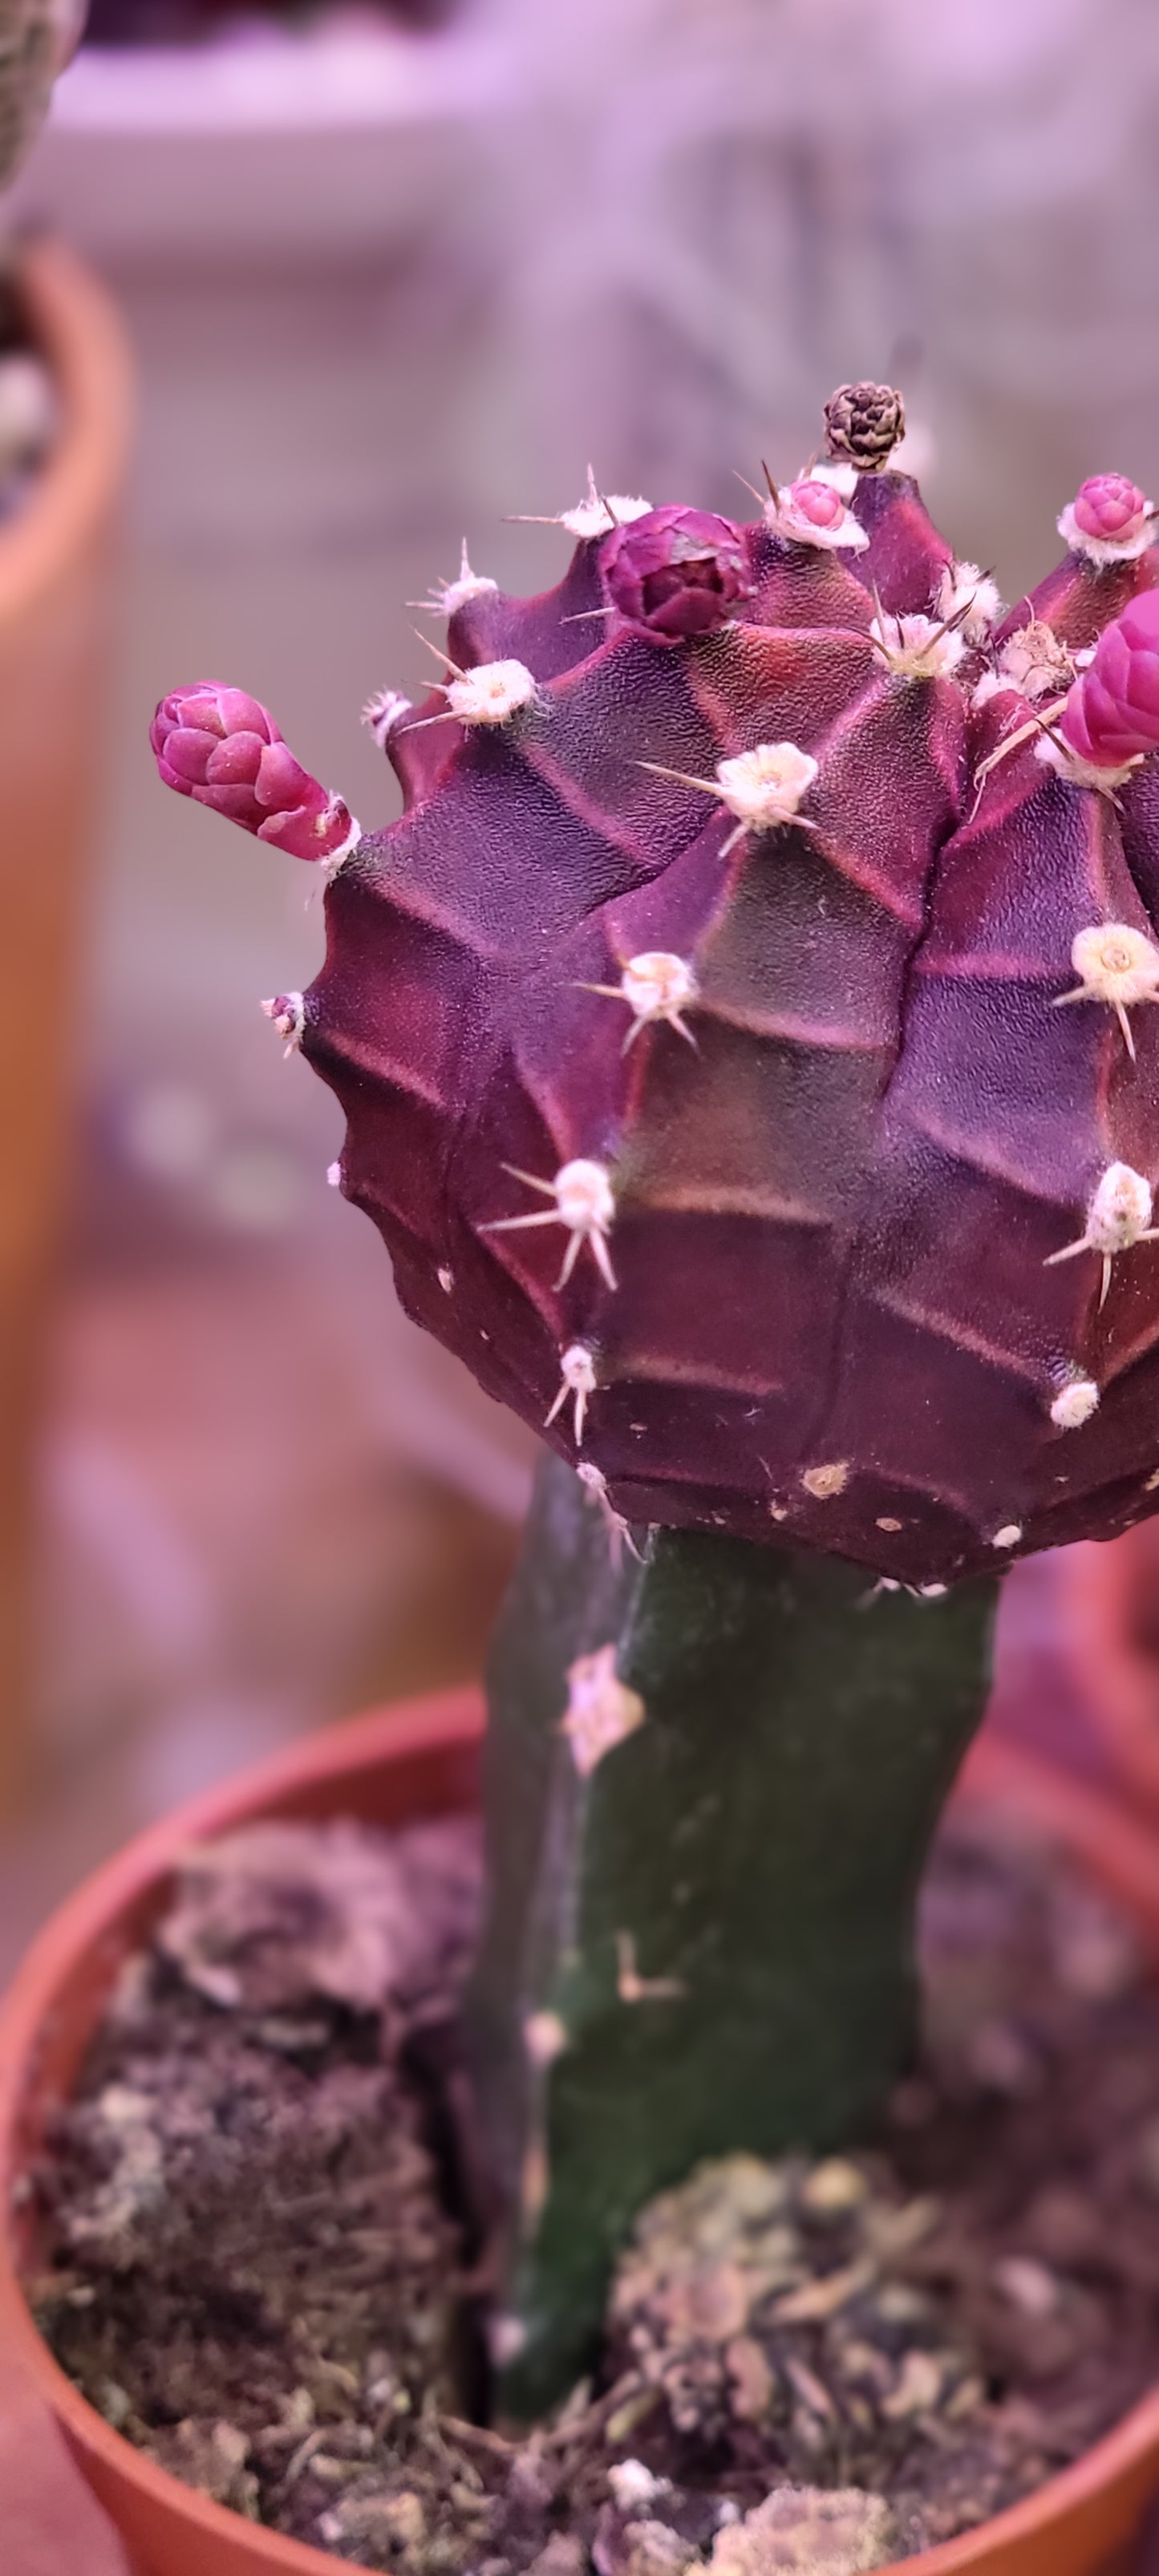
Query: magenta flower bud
(1107, 504)
(1112, 711)
(676, 573)
(224, 749)
(820, 503)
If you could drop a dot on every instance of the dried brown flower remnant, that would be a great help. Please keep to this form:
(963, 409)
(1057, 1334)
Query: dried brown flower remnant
(863, 424)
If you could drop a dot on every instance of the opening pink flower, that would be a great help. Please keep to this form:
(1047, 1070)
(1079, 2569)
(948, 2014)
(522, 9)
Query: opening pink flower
(1112, 712)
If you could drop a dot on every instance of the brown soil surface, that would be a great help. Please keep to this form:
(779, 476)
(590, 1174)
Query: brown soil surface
(260, 2276)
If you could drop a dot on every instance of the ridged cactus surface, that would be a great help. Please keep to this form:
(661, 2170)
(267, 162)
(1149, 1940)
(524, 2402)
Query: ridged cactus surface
(698, 1027)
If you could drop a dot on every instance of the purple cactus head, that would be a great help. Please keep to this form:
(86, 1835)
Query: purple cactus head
(697, 1024)
(223, 748)
(676, 573)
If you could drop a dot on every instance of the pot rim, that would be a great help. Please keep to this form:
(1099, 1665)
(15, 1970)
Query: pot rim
(442, 1720)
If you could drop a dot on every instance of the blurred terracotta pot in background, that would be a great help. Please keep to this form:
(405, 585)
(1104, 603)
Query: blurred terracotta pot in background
(1111, 1608)
(54, 599)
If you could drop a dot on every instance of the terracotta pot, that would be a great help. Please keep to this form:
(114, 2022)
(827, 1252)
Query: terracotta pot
(1111, 1609)
(416, 1761)
(54, 595)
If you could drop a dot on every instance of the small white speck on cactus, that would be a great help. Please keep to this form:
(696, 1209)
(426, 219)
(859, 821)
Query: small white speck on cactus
(446, 1280)
(448, 596)
(1074, 1403)
(1115, 964)
(1118, 1217)
(823, 1483)
(577, 1379)
(595, 516)
(334, 1176)
(584, 1203)
(288, 1013)
(917, 648)
(601, 1710)
(1008, 1535)
(382, 712)
(544, 2038)
(968, 600)
(887, 1522)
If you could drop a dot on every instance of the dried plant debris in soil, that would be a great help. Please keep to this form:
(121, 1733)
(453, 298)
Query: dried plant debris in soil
(260, 2277)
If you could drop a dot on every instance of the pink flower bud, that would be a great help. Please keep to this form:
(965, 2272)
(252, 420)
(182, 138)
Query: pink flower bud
(1112, 711)
(676, 573)
(820, 503)
(224, 749)
(1107, 504)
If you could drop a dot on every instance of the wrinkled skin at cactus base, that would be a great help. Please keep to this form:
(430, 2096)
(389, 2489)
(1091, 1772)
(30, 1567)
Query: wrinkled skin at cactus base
(819, 1301)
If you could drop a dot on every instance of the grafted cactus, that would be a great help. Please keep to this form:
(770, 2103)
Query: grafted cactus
(698, 1032)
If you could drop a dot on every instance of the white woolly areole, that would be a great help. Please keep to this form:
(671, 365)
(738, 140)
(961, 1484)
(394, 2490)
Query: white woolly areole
(601, 1710)
(1074, 1404)
(1114, 963)
(1119, 1215)
(1056, 754)
(490, 694)
(1120, 1211)
(969, 597)
(288, 1013)
(657, 984)
(383, 712)
(765, 786)
(1033, 661)
(917, 648)
(828, 470)
(447, 596)
(1131, 541)
(583, 1195)
(1009, 1536)
(338, 858)
(583, 1203)
(785, 520)
(598, 513)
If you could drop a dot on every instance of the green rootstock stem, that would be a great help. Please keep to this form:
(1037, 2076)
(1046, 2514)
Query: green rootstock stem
(719, 1917)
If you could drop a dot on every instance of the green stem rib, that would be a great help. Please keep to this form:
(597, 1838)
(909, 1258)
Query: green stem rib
(713, 1929)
